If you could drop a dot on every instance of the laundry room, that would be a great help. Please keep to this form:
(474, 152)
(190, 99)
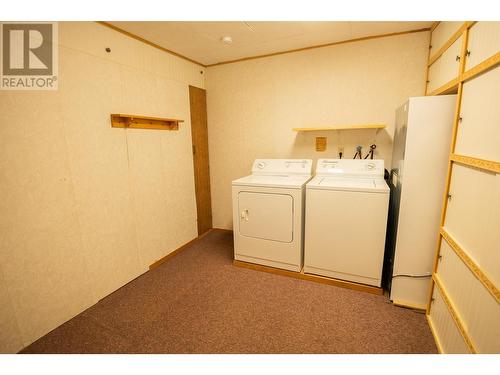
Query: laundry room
(249, 184)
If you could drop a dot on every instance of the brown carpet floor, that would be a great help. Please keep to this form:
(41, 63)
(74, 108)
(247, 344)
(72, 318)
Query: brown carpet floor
(198, 302)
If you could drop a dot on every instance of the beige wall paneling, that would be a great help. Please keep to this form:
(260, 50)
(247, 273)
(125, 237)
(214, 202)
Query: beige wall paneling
(10, 335)
(143, 80)
(256, 103)
(99, 167)
(442, 33)
(445, 68)
(161, 169)
(447, 335)
(166, 214)
(42, 253)
(69, 197)
(472, 217)
(160, 163)
(92, 38)
(484, 42)
(479, 131)
(478, 310)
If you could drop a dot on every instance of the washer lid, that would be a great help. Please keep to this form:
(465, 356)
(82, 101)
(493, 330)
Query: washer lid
(372, 185)
(276, 181)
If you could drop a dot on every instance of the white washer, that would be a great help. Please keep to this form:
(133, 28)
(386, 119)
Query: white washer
(268, 213)
(346, 217)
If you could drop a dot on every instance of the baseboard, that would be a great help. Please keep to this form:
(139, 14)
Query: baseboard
(180, 249)
(314, 278)
(409, 305)
(223, 230)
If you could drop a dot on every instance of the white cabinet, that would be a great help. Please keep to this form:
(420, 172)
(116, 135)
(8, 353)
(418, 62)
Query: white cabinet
(446, 67)
(484, 42)
(472, 217)
(445, 329)
(479, 130)
(425, 130)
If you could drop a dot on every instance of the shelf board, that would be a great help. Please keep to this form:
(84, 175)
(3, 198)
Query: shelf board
(119, 120)
(341, 127)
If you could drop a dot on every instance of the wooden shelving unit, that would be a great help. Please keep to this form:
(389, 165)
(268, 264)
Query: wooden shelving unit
(462, 308)
(119, 120)
(341, 127)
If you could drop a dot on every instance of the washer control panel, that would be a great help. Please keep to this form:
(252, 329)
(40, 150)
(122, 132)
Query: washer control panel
(350, 167)
(282, 166)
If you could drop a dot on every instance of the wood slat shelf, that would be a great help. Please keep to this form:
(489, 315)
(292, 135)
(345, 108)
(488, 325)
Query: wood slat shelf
(447, 89)
(487, 165)
(119, 120)
(341, 127)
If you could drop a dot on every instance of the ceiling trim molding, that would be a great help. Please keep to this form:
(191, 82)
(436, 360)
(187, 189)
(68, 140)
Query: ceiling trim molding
(137, 37)
(319, 46)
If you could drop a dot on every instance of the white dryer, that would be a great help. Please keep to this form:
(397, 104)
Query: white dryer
(346, 217)
(268, 213)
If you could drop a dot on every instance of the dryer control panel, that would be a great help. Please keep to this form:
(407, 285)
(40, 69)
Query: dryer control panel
(350, 167)
(282, 167)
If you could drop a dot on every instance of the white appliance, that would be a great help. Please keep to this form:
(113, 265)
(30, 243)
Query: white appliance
(418, 175)
(268, 213)
(346, 216)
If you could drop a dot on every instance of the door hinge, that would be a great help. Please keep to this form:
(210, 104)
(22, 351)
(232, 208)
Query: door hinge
(194, 149)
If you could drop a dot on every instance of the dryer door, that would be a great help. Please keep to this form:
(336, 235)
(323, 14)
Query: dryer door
(266, 216)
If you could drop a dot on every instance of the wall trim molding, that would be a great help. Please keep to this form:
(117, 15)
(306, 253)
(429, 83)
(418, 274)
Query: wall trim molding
(152, 44)
(173, 253)
(145, 41)
(319, 46)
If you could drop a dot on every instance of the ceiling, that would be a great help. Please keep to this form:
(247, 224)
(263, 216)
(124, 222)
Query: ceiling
(201, 41)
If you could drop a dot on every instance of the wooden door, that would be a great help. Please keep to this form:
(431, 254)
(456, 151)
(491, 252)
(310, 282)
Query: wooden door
(199, 134)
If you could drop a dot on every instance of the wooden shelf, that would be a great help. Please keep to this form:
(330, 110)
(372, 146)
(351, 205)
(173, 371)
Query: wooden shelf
(119, 120)
(341, 127)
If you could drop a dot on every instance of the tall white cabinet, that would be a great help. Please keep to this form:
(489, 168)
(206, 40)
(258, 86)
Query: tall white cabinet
(418, 176)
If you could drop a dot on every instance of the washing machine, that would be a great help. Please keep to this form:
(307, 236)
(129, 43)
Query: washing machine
(346, 217)
(268, 213)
